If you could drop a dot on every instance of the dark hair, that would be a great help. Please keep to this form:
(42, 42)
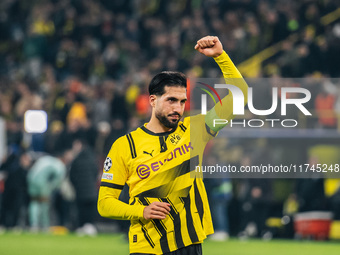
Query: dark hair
(166, 78)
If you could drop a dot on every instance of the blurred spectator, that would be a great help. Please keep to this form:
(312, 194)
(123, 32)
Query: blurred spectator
(15, 196)
(44, 177)
(334, 202)
(219, 199)
(311, 192)
(325, 108)
(63, 202)
(219, 194)
(256, 202)
(83, 176)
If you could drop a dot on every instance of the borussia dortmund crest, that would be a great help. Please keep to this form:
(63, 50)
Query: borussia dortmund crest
(174, 138)
(107, 164)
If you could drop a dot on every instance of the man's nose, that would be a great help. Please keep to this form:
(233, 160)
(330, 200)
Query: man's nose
(177, 107)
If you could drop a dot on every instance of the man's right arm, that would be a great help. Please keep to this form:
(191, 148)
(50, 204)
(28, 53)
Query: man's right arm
(113, 180)
(110, 207)
(114, 176)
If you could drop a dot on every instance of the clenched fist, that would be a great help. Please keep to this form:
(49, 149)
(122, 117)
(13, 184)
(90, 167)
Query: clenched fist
(156, 210)
(209, 46)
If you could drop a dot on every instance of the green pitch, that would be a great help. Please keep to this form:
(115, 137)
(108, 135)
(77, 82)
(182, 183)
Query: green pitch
(45, 244)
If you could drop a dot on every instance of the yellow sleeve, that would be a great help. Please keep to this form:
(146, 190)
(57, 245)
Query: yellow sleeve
(227, 66)
(231, 76)
(115, 174)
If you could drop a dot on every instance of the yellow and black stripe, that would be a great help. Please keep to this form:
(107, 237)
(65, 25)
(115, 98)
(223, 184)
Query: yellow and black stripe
(160, 227)
(175, 217)
(111, 185)
(163, 190)
(162, 142)
(198, 201)
(146, 235)
(132, 145)
(190, 222)
(184, 128)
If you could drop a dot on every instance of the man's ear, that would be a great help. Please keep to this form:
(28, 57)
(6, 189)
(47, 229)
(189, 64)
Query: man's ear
(152, 100)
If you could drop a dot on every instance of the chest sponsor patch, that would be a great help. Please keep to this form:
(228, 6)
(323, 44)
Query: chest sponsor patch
(107, 176)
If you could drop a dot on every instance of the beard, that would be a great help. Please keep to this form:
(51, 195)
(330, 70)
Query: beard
(169, 123)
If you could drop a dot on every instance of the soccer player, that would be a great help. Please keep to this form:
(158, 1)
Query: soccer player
(168, 208)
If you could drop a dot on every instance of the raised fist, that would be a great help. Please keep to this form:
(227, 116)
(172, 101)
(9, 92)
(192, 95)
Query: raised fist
(209, 46)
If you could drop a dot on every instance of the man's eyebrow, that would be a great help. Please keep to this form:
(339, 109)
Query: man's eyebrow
(175, 98)
(172, 98)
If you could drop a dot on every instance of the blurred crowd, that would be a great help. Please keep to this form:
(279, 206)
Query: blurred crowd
(88, 63)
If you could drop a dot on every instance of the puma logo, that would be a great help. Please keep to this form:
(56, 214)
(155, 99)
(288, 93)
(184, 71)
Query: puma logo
(149, 153)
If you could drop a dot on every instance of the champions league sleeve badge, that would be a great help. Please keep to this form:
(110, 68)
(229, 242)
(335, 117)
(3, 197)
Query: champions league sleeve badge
(107, 164)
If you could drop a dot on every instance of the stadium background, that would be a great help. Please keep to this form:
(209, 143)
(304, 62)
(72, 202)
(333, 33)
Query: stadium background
(88, 63)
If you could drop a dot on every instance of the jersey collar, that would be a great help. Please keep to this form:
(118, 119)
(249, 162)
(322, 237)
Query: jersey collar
(157, 134)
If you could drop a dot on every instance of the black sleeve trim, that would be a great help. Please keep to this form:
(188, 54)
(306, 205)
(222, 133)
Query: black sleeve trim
(111, 185)
(183, 127)
(132, 145)
(210, 132)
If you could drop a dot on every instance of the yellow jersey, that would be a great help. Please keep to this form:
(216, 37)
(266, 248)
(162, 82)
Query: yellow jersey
(159, 167)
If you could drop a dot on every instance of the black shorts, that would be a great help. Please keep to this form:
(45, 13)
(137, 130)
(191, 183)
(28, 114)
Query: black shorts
(194, 249)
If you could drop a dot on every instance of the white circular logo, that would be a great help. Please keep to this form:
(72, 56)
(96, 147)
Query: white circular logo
(107, 164)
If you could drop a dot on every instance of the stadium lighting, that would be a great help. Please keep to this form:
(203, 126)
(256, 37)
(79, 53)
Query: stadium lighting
(35, 121)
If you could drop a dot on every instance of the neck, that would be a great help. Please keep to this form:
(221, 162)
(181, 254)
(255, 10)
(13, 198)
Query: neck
(156, 126)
